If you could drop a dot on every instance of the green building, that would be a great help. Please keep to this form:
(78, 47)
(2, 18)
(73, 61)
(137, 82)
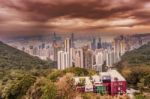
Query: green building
(101, 89)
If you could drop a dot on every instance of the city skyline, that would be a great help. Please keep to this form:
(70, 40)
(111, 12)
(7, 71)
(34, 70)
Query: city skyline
(84, 53)
(40, 17)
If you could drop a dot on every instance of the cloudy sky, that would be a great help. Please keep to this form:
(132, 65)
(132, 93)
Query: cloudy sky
(31, 17)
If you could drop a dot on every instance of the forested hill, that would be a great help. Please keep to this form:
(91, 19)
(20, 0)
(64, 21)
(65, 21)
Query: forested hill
(138, 57)
(135, 67)
(11, 58)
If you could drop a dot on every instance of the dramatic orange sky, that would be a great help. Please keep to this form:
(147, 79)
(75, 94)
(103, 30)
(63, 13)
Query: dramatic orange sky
(29, 17)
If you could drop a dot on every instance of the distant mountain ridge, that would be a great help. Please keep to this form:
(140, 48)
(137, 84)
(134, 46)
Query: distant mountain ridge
(14, 58)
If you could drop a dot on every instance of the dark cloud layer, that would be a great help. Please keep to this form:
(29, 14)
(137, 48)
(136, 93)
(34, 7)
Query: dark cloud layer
(31, 16)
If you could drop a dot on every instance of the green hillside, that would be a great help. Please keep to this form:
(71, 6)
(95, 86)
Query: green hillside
(18, 71)
(135, 67)
(138, 57)
(11, 58)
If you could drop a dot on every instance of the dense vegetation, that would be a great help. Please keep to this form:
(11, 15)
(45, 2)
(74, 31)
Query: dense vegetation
(42, 84)
(138, 57)
(135, 67)
(26, 77)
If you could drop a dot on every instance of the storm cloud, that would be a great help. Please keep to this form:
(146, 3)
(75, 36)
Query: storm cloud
(27, 17)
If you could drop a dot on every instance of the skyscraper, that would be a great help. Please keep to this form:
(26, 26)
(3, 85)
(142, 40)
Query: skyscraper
(123, 47)
(54, 38)
(109, 58)
(67, 44)
(99, 60)
(87, 58)
(68, 49)
(78, 60)
(93, 43)
(63, 60)
(55, 51)
(99, 44)
(55, 47)
(72, 40)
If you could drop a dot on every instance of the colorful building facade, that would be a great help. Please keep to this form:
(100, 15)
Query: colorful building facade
(110, 82)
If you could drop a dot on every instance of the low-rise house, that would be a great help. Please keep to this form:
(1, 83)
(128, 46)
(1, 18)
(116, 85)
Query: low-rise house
(115, 83)
(110, 82)
(83, 82)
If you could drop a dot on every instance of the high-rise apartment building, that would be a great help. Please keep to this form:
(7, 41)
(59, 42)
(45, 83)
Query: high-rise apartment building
(99, 59)
(63, 60)
(72, 41)
(88, 58)
(93, 44)
(110, 58)
(67, 44)
(99, 44)
(78, 58)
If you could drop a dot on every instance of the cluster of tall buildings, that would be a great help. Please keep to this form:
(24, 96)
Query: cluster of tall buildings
(43, 50)
(93, 56)
(97, 55)
(92, 53)
(65, 56)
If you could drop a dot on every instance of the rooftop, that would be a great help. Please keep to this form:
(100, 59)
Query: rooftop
(114, 74)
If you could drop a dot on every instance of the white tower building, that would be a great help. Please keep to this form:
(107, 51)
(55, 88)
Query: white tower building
(110, 58)
(78, 59)
(63, 60)
(99, 59)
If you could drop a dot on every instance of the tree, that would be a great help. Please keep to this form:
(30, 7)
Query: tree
(147, 81)
(17, 88)
(139, 96)
(55, 75)
(141, 85)
(81, 82)
(43, 88)
(66, 88)
(49, 91)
